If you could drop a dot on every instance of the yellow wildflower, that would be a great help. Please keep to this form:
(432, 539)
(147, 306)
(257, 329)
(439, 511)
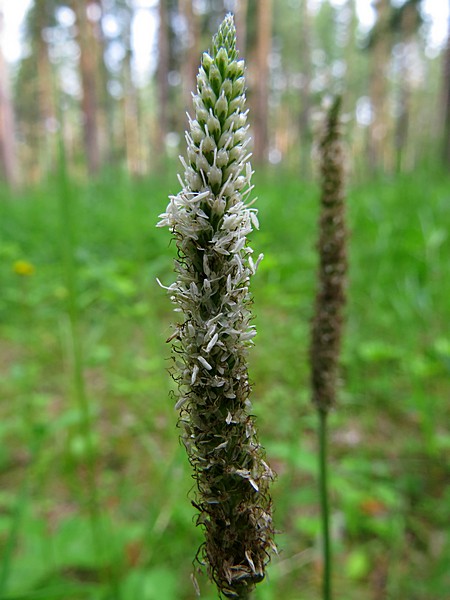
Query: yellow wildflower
(23, 268)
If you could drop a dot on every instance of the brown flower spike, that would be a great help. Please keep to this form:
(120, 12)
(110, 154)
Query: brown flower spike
(210, 220)
(330, 300)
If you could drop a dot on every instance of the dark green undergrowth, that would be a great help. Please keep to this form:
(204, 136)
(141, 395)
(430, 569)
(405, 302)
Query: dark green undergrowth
(94, 486)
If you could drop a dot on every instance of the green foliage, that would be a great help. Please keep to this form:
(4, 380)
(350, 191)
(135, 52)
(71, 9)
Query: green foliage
(389, 476)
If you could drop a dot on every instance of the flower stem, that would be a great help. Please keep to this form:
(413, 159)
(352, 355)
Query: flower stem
(324, 504)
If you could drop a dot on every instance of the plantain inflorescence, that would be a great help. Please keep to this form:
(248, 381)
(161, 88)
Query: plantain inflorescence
(210, 219)
(330, 300)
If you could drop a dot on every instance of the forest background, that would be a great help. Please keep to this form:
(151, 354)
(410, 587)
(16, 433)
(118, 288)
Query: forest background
(93, 483)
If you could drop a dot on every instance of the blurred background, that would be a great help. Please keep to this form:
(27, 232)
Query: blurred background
(113, 79)
(95, 488)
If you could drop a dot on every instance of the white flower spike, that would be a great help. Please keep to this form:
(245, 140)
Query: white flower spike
(210, 219)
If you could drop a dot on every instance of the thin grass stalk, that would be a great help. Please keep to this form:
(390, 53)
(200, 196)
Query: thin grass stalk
(210, 219)
(325, 505)
(78, 387)
(23, 497)
(36, 437)
(328, 318)
(12, 537)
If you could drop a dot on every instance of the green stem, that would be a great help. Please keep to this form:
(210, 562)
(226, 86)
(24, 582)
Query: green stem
(12, 538)
(324, 503)
(67, 240)
(67, 202)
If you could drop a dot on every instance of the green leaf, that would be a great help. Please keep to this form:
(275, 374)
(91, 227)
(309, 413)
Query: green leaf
(357, 565)
(155, 584)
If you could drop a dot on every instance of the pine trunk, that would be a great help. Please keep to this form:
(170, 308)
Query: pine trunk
(381, 52)
(261, 95)
(163, 75)
(189, 65)
(409, 24)
(241, 25)
(305, 94)
(47, 126)
(131, 117)
(7, 136)
(446, 101)
(88, 68)
(104, 105)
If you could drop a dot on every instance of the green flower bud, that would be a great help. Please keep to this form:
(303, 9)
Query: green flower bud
(193, 180)
(192, 155)
(202, 163)
(232, 71)
(221, 108)
(231, 123)
(209, 97)
(240, 135)
(238, 86)
(227, 88)
(236, 153)
(197, 133)
(209, 145)
(215, 78)
(213, 123)
(222, 158)
(222, 61)
(206, 62)
(234, 169)
(202, 115)
(240, 68)
(236, 105)
(225, 140)
(241, 120)
(240, 183)
(202, 79)
(214, 176)
(201, 112)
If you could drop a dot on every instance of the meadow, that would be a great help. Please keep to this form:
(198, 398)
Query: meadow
(95, 487)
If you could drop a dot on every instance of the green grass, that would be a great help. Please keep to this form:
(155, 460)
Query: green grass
(94, 484)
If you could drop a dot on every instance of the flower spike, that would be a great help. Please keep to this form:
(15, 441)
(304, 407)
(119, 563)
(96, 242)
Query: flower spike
(210, 220)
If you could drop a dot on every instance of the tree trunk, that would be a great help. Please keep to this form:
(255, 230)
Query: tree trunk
(88, 69)
(189, 66)
(446, 102)
(46, 99)
(104, 105)
(241, 26)
(305, 94)
(261, 90)
(131, 119)
(163, 76)
(410, 21)
(381, 52)
(36, 94)
(7, 135)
